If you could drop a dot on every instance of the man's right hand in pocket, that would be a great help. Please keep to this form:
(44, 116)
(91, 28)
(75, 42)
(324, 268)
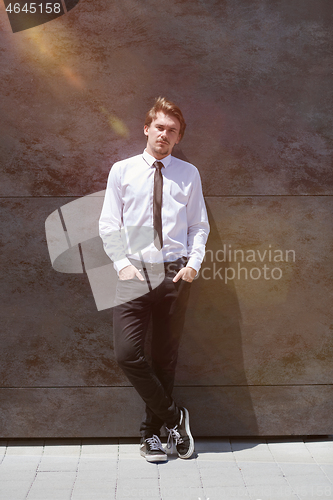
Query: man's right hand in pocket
(129, 272)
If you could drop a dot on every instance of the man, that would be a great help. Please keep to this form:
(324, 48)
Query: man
(154, 227)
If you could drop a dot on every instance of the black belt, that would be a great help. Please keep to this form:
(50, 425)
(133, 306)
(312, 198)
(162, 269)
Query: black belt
(175, 265)
(172, 266)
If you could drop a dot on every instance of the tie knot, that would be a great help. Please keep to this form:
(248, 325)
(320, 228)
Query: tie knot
(158, 165)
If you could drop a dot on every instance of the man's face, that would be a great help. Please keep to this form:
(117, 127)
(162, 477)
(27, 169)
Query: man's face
(162, 135)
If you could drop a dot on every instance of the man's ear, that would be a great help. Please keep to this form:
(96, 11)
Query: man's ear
(145, 130)
(179, 139)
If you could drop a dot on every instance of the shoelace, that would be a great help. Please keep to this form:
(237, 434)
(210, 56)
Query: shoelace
(154, 443)
(173, 435)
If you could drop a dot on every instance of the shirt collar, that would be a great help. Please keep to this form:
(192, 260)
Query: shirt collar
(150, 159)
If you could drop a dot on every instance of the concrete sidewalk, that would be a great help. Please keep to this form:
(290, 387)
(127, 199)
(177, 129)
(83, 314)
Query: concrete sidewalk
(283, 469)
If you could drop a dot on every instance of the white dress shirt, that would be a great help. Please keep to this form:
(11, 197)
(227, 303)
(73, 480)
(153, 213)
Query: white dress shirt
(126, 222)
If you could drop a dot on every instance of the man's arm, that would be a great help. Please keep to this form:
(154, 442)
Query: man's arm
(197, 232)
(111, 227)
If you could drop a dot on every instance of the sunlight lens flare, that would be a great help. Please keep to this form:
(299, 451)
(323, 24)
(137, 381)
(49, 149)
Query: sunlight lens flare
(117, 125)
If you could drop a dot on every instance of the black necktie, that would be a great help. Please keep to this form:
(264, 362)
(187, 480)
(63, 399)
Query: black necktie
(157, 205)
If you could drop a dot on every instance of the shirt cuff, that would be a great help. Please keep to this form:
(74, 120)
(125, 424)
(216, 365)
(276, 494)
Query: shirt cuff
(194, 263)
(120, 264)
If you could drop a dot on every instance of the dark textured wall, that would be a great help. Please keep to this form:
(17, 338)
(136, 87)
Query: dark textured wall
(254, 80)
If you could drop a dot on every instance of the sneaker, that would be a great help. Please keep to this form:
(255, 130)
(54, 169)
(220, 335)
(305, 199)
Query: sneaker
(151, 448)
(181, 435)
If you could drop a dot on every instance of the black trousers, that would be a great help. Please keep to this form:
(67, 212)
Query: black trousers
(165, 301)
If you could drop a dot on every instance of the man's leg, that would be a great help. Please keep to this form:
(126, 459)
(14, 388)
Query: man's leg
(168, 314)
(130, 326)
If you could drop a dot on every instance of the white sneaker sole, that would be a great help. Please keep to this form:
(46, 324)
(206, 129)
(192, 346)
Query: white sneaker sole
(190, 451)
(154, 458)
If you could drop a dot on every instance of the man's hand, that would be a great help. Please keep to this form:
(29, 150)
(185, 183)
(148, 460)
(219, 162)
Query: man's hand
(186, 274)
(129, 272)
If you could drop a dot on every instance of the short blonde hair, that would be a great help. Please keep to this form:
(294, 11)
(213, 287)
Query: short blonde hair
(168, 108)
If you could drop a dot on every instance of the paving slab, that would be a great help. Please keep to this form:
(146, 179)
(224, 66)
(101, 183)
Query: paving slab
(293, 451)
(261, 474)
(105, 464)
(322, 452)
(96, 476)
(178, 467)
(23, 448)
(227, 476)
(181, 482)
(52, 449)
(14, 490)
(129, 451)
(20, 463)
(270, 491)
(328, 471)
(300, 470)
(139, 491)
(308, 484)
(16, 476)
(251, 450)
(137, 469)
(52, 486)
(116, 471)
(214, 468)
(227, 492)
(61, 464)
(213, 446)
(181, 493)
(92, 450)
(89, 494)
(215, 457)
(285, 493)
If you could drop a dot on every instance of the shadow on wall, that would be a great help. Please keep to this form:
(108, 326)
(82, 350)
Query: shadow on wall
(211, 354)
